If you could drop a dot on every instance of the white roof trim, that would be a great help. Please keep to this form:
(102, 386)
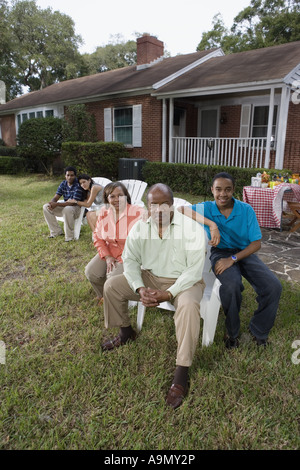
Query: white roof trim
(232, 88)
(293, 76)
(177, 74)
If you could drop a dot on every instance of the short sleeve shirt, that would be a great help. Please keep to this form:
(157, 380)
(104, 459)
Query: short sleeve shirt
(238, 230)
(70, 192)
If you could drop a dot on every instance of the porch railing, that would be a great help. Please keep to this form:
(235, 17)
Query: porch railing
(244, 153)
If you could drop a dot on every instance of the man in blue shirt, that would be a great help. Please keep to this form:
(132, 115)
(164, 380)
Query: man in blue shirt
(234, 257)
(70, 189)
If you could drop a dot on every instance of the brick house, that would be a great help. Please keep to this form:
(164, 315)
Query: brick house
(205, 107)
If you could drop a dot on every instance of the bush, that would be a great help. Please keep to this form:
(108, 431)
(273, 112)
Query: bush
(40, 142)
(8, 151)
(79, 125)
(95, 159)
(12, 165)
(196, 179)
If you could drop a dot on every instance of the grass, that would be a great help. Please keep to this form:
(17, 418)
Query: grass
(59, 391)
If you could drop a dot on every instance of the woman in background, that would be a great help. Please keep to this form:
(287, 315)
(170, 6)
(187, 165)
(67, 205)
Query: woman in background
(94, 196)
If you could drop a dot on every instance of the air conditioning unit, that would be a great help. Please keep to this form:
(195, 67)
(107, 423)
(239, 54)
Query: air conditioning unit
(131, 168)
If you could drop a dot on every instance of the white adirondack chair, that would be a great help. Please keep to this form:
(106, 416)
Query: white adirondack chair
(136, 189)
(77, 224)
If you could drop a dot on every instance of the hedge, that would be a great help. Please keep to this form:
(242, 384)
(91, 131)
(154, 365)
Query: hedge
(196, 179)
(12, 165)
(8, 151)
(95, 159)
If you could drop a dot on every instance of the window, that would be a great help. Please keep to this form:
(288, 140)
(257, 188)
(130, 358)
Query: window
(31, 115)
(39, 114)
(123, 125)
(49, 112)
(260, 121)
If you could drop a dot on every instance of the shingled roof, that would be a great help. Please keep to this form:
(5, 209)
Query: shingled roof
(266, 65)
(124, 80)
(165, 77)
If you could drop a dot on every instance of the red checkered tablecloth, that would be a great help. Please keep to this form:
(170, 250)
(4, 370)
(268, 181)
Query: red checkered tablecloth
(268, 203)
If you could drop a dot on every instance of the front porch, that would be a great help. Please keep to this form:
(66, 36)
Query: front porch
(238, 152)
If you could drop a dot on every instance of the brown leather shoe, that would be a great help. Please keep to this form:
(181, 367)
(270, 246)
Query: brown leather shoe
(117, 342)
(176, 395)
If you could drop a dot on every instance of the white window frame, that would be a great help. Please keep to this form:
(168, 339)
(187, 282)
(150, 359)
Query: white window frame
(58, 111)
(109, 125)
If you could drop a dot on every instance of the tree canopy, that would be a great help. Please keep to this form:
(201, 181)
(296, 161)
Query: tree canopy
(263, 23)
(37, 47)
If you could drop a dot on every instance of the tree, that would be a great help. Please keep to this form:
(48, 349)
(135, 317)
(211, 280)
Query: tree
(117, 54)
(79, 125)
(37, 47)
(263, 23)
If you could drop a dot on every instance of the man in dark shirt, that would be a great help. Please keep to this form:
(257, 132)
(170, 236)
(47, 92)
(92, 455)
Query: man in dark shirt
(70, 190)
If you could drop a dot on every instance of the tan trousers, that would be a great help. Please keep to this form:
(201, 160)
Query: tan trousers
(69, 213)
(117, 292)
(95, 272)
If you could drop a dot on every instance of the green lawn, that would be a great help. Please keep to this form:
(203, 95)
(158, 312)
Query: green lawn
(59, 391)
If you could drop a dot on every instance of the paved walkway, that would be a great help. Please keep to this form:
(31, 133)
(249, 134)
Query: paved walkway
(280, 250)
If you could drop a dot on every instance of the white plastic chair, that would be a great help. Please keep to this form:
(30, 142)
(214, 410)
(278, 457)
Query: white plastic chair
(102, 181)
(77, 223)
(136, 189)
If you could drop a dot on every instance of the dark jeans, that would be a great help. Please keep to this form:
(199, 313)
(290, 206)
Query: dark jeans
(264, 282)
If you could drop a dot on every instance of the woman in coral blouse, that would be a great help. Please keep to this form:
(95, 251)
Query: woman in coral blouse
(113, 225)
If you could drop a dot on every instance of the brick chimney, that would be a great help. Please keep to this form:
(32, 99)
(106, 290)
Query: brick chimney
(149, 48)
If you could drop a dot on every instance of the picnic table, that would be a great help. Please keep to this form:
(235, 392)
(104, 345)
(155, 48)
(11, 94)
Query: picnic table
(269, 203)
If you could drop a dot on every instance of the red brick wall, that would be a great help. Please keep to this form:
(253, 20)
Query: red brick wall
(231, 126)
(151, 123)
(292, 144)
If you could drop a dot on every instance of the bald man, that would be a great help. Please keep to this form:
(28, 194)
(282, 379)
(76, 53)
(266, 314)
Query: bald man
(163, 261)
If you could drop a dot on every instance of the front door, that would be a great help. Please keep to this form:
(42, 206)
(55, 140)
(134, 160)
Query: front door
(208, 123)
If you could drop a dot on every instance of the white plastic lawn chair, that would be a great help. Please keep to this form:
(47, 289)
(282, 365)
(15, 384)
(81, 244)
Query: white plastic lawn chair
(77, 223)
(136, 189)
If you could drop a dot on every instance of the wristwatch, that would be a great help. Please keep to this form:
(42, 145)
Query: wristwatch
(234, 258)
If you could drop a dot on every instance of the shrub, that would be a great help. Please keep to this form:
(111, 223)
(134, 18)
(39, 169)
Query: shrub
(95, 159)
(8, 151)
(196, 179)
(79, 125)
(40, 142)
(12, 165)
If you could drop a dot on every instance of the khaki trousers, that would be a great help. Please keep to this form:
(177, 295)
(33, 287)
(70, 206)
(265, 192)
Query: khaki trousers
(117, 292)
(69, 213)
(95, 272)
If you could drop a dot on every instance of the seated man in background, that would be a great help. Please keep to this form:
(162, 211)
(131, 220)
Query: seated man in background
(163, 261)
(70, 190)
(234, 258)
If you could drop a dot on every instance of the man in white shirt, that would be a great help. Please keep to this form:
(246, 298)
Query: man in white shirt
(163, 261)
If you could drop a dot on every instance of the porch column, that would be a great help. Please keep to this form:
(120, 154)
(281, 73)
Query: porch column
(164, 132)
(283, 116)
(269, 132)
(171, 114)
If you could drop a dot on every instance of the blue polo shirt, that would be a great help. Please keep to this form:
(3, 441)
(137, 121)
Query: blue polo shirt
(70, 192)
(238, 230)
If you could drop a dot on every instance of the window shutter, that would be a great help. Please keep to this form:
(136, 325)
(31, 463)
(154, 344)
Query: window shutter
(107, 125)
(137, 125)
(245, 121)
